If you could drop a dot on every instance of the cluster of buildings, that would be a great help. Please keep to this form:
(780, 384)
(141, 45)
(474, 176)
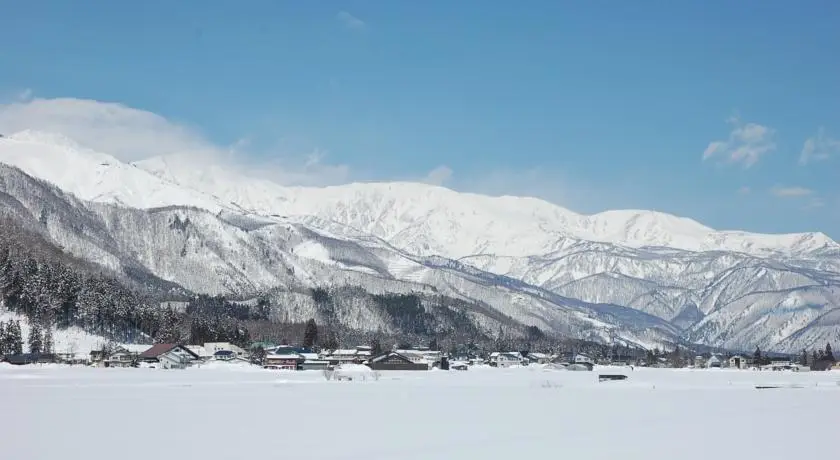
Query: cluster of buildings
(296, 358)
(270, 356)
(743, 362)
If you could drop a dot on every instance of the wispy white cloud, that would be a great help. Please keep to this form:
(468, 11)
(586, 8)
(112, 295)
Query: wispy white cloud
(746, 144)
(815, 203)
(130, 134)
(791, 192)
(744, 190)
(807, 198)
(351, 22)
(819, 147)
(438, 176)
(25, 95)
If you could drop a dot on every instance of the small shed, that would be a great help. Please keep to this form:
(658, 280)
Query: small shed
(738, 362)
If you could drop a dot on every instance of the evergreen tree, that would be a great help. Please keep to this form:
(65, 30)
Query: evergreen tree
(310, 335)
(258, 355)
(48, 340)
(35, 338)
(676, 357)
(828, 353)
(4, 338)
(757, 356)
(15, 338)
(330, 341)
(433, 344)
(375, 347)
(804, 359)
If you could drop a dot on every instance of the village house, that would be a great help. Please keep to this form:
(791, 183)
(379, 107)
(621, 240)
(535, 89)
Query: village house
(421, 355)
(201, 352)
(505, 359)
(169, 356)
(314, 365)
(72, 358)
(212, 347)
(283, 358)
(538, 358)
(356, 355)
(738, 362)
(224, 355)
(30, 358)
(714, 361)
(116, 356)
(395, 361)
(121, 358)
(781, 365)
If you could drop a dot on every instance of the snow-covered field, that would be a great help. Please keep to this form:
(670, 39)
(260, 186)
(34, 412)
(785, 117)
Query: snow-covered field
(241, 412)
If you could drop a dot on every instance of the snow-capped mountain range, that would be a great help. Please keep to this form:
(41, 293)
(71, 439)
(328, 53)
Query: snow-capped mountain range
(639, 276)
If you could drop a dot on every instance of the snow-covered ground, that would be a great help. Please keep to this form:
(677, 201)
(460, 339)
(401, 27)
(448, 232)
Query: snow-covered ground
(237, 412)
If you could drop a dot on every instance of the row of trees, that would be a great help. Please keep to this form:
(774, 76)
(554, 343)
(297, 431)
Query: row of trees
(53, 289)
(40, 339)
(817, 355)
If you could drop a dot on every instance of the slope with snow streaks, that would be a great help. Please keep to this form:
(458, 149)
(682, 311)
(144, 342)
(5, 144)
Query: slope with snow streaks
(209, 253)
(824, 329)
(419, 218)
(432, 220)
(766, 318)
(214, 230)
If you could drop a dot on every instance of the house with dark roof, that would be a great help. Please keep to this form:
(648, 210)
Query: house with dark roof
(30, 358)
(394, 361)
(224, 355)
(169, 356)
(538, 358)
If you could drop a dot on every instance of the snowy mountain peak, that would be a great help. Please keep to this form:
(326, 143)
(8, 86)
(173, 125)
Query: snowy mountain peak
(418, 218)
(45, 137)
(531, 261)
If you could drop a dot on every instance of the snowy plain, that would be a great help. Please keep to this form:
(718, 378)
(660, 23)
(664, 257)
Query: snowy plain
(237, 412)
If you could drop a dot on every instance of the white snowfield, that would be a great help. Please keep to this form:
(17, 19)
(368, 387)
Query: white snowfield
(221, 412)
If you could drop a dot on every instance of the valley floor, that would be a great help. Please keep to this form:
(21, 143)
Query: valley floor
(241, 412)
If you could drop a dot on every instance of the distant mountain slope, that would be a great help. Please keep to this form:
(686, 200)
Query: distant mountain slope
(634, 276)
(418, 218)
(215, 254)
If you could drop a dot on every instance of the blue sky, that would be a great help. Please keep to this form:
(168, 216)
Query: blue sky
(593, 105)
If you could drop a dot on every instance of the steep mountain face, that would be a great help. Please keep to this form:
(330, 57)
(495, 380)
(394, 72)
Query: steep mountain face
(245, 256)
(641, 277)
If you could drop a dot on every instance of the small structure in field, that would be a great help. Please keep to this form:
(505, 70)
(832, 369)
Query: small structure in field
(738, 362)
